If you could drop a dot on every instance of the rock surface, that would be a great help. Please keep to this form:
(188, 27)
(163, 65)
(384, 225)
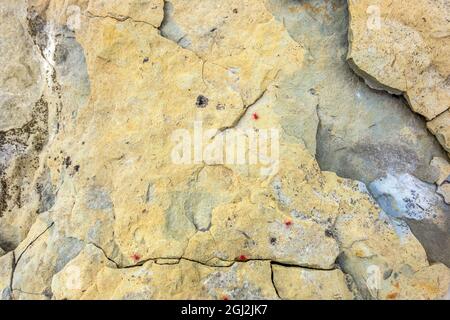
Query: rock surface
(440, 127)
(158, 280)
(23, 125)
(304, 284)
(418, 203)
(444, 190)
(362, 134)
(113, 216)
(442, 167)
(402, 47)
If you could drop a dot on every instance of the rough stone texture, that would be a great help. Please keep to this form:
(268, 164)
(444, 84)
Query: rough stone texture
(402, 47)
(115, 218)
(440, 127)
(444, 190)
(100, 279)
(21, 80)
(6, 268)
(442, 167)
(362, 134)
(23, 124)
(304, 284)
(412, 200)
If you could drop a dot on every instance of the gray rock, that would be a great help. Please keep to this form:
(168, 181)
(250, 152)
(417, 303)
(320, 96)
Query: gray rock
(68, 248)
(98, 198)
(362, 134)
(416, 202)
(170, 29)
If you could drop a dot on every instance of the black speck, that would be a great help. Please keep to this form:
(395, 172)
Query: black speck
(387, 274)
(146, 59)
(202, 101)
(329, 233)
(273, 241)
(235, 11)
(77, 168)
(67, 162)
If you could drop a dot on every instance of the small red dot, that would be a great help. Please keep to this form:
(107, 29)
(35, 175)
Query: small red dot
(255, 116)
(225, 298)
(242, 258)
(288, 222)
(136, 257)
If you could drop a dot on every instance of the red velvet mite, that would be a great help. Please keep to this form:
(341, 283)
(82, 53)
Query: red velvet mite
(136, 257)
(288, 223)
(242, 258)
(255, 116)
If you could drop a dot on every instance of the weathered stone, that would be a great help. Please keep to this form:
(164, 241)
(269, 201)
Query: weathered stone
(403, 48)
(444, 190)
(92, 276)
(443, 170)
(23, 124)
(305, 284)
(363, 134)
(440, 127)
(120, 219)
(414, 201)
(6, 269)
(21, 80)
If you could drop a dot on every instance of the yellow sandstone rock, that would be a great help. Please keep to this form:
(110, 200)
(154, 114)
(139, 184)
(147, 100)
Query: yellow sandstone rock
(129, 223)
(305, 284)
(440, 127)
(443, 168)
(402, 47)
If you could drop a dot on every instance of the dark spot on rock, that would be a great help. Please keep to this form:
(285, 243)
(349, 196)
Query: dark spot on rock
(329, 233)
(146, 59)
(67, 162)
(77, 168)
(235, 11)
(4, 196)
(202, 101)
(273, 241)
(136, 257)
(36, 28)
(387, 274)
(220, 106)
(313, 91)
(61, 54)
(46, 194)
